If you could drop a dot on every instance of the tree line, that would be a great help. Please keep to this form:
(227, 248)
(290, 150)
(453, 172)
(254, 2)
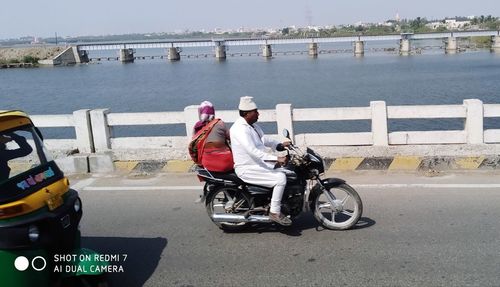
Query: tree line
(417, 25)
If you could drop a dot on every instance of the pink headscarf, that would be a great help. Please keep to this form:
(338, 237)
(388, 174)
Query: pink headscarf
(206, 113)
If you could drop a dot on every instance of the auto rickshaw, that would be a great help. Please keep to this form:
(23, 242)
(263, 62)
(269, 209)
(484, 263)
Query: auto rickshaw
(39, 214)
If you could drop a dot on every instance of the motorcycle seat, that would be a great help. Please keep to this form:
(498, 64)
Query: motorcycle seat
(231, 176)
(234, 178)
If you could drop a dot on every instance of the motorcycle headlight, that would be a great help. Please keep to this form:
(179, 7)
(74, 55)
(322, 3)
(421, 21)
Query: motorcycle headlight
(77, 205)
(33, 233)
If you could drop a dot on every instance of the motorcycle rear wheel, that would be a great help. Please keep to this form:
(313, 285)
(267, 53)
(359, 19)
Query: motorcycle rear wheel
(337, 208)
(228, 200)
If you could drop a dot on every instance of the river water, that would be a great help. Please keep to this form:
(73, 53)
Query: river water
(331, 80)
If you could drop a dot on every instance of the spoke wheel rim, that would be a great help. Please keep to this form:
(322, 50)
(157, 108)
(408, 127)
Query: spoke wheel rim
(337, 207)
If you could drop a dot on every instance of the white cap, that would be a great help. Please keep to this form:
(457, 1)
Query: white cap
(247, 104)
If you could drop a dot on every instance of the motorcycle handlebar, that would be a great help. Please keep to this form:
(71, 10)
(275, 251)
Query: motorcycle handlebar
(280, 147)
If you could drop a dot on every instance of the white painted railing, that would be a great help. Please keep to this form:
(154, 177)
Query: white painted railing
(79, 120)
(94, 130)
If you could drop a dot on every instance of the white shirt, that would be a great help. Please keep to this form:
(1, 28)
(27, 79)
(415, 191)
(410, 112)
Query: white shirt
(250, 146)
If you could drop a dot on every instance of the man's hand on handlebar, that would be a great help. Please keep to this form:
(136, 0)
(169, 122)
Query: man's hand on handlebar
(282, 160)
(283, 146)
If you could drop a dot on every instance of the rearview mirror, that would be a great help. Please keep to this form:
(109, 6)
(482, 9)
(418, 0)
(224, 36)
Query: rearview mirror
(286, 134)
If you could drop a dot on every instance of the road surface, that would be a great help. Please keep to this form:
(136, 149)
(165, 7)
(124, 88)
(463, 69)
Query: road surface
(416, 230)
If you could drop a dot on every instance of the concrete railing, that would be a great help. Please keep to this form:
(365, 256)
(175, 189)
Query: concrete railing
(79, 120)
(94, 131)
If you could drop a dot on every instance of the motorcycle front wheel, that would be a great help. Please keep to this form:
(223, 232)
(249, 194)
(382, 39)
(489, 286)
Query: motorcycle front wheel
(228, 201)
(337, 207)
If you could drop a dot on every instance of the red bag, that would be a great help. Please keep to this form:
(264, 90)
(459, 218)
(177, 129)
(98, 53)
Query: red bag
(197, 143)
(218, 159)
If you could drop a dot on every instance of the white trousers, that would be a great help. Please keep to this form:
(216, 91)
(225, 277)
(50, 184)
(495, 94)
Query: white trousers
(265, 177)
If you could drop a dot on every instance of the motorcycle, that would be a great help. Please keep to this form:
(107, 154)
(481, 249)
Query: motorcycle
(233, 204)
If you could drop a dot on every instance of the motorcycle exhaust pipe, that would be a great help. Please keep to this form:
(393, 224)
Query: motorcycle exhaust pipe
(235, 218)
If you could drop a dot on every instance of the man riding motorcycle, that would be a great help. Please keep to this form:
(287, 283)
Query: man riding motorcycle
(252, 161)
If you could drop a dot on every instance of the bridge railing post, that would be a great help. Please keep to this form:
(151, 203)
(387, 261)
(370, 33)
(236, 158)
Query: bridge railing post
(83, 130)
(474, 128)
(284, 119)
(101, 131)
(190, 118)
(379, 123)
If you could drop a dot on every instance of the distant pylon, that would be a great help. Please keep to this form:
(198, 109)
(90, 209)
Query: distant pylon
(308, 14)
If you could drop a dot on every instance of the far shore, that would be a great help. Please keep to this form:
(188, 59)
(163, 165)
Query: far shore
(22, 57)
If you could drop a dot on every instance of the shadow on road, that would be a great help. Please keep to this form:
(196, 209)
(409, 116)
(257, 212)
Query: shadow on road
(143, 255)
(364, 222)
(304, 222)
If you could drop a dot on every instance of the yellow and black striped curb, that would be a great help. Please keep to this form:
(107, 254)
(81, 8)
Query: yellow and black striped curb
(403, 163)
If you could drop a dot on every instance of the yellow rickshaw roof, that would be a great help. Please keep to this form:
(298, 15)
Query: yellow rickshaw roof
(12, 119)
(15, 113)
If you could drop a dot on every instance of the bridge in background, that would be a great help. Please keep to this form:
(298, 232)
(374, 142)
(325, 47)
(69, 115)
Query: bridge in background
(271, 41)
(174, 47)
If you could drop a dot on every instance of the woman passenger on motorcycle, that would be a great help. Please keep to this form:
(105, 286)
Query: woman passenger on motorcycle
(215, 154)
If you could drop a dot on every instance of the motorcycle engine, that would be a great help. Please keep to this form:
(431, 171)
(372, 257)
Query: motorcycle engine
(293, 205)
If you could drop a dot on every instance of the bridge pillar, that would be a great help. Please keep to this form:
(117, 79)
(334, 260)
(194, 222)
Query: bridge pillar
(174, 54)
(451, 45)
(359, 48)
(220, 52)
(126, 55)
(84, 56)
(81, 56)
(495, 44)
(313, 50)
(266, 51)
(404, 47)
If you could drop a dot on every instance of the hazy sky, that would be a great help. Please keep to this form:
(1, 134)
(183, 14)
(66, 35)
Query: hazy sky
(101, 17)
